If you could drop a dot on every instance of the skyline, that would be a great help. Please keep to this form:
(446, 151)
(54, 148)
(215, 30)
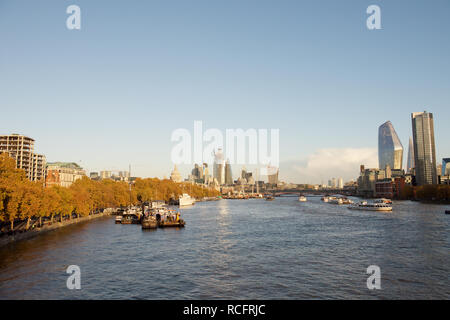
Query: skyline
(111, 93)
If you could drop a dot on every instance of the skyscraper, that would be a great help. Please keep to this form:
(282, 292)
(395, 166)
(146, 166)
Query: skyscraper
(410, 163)
(219, 168)
(446, 167)
(424, 148)
(340, 183)
(228, 174)
(390, 149)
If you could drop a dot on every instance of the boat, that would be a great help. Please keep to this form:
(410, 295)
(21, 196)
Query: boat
(149, 222)
(131, 216)
(370, 206)
(302, 198)
(346, 201)
(129, 219)
(185, 200)
(169, 219)
(118, 219)
(335, 200)
(269, 198)
(447, 211)
(325, 199)
(383, 200)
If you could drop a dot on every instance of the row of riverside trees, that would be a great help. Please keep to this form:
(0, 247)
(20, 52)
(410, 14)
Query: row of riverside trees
(25, 201)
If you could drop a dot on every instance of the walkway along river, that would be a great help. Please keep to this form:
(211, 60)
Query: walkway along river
(249, 249)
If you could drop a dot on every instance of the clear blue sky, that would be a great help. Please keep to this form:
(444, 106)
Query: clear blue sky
(111, 93)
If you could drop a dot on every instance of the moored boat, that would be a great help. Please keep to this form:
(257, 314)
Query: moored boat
(149, 222)
(169, 218)
(302, 198)
(325, 198)
(185, 200)
(370, 206)
(118, 219)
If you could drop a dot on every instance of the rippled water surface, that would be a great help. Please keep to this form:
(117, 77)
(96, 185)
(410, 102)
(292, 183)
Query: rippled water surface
(241, 249)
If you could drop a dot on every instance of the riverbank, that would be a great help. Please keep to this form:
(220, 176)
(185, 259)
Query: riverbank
(10, 238)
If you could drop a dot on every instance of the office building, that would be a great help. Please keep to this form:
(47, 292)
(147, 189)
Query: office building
(228, 174)
(410, 162)
(219, 167)
(63, 173)
(424, 148)
(390, 149)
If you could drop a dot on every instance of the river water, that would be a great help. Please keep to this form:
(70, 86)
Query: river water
(242, 249)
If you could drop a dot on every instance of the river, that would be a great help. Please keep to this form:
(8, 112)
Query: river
(241, 249)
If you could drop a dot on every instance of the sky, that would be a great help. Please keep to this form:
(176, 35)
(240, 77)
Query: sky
(111, 94)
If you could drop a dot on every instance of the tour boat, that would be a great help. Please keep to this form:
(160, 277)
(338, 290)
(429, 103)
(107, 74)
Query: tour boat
(186, 200)
(370, 206)
(383, 200)
(346, 201)
(335, 200)
(302, 198)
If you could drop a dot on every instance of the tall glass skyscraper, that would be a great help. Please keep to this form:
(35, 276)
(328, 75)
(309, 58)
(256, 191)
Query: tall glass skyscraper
(446, 167)
(424, 148)
(219, 167)
(390, 149)
(228, 174)
(410, 163)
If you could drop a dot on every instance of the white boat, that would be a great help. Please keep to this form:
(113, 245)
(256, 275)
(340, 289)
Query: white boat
(118, 219)
(302, 198)
(186, 200)
(370, 206)
(325, 199)
(347, 201)
(383, 200)
(335, 200)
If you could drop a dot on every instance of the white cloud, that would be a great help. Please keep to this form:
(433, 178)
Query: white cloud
(325, 164)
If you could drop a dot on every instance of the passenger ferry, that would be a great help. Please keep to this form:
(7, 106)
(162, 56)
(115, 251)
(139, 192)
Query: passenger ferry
(383, 200)
(302, 198)
(370, 206)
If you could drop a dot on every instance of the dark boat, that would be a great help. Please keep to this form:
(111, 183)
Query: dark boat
(447, 211)
(172, 224)
(129, 219)
(269, 198)
(149, 222)
(170, 220)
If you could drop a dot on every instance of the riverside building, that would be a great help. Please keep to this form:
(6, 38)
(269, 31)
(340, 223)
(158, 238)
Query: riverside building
(63, 173)
(21, 149)
(424, 148)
